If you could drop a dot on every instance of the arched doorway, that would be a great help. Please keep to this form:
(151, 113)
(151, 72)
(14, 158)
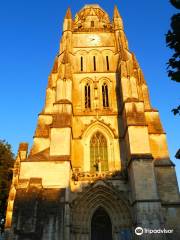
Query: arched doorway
(101, 227)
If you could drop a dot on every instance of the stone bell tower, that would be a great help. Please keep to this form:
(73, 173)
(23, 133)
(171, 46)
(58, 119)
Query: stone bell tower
(99, 165)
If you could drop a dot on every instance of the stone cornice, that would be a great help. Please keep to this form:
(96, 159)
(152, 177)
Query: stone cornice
(170, 204)
(139, 157)
(145, 201)
(163, 163)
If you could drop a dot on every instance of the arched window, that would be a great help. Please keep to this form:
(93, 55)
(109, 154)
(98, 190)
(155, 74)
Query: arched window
(98, 153)
(81, 63)
(87, 96)
(107, 63)
(105, 95)
(94, 62)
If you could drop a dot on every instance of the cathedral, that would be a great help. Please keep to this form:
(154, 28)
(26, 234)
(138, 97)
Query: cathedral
(99, 167)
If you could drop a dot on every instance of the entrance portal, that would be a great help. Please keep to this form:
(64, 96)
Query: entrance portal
(101, 227)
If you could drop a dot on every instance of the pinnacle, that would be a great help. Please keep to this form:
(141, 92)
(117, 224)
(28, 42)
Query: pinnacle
(116, 12)
(68, 14)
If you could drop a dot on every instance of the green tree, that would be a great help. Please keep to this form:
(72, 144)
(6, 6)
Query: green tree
(6, 165)
(175, 3)
(173, 42)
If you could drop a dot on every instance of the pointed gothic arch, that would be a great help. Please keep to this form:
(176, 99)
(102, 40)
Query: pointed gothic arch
(106, 92)
(101, 226)
(87, 96)
(98, 152)
(109, 135)
(101, 196)
(86, 93)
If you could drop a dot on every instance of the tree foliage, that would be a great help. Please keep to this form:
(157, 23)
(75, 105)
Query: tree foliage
(175, 3)
(6, 165)
(173, 42)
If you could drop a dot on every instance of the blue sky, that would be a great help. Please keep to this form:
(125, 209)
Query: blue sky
(29, 41)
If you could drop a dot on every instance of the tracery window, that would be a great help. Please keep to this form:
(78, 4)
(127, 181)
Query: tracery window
(98, 152)
(105, 98)
(87, 93)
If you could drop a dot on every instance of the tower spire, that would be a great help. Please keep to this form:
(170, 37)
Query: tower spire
(116, 12)
(68, 14)
(68, 20)
(118, 23)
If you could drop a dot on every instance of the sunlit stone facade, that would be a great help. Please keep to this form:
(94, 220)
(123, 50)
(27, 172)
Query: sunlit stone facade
(99, 165)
